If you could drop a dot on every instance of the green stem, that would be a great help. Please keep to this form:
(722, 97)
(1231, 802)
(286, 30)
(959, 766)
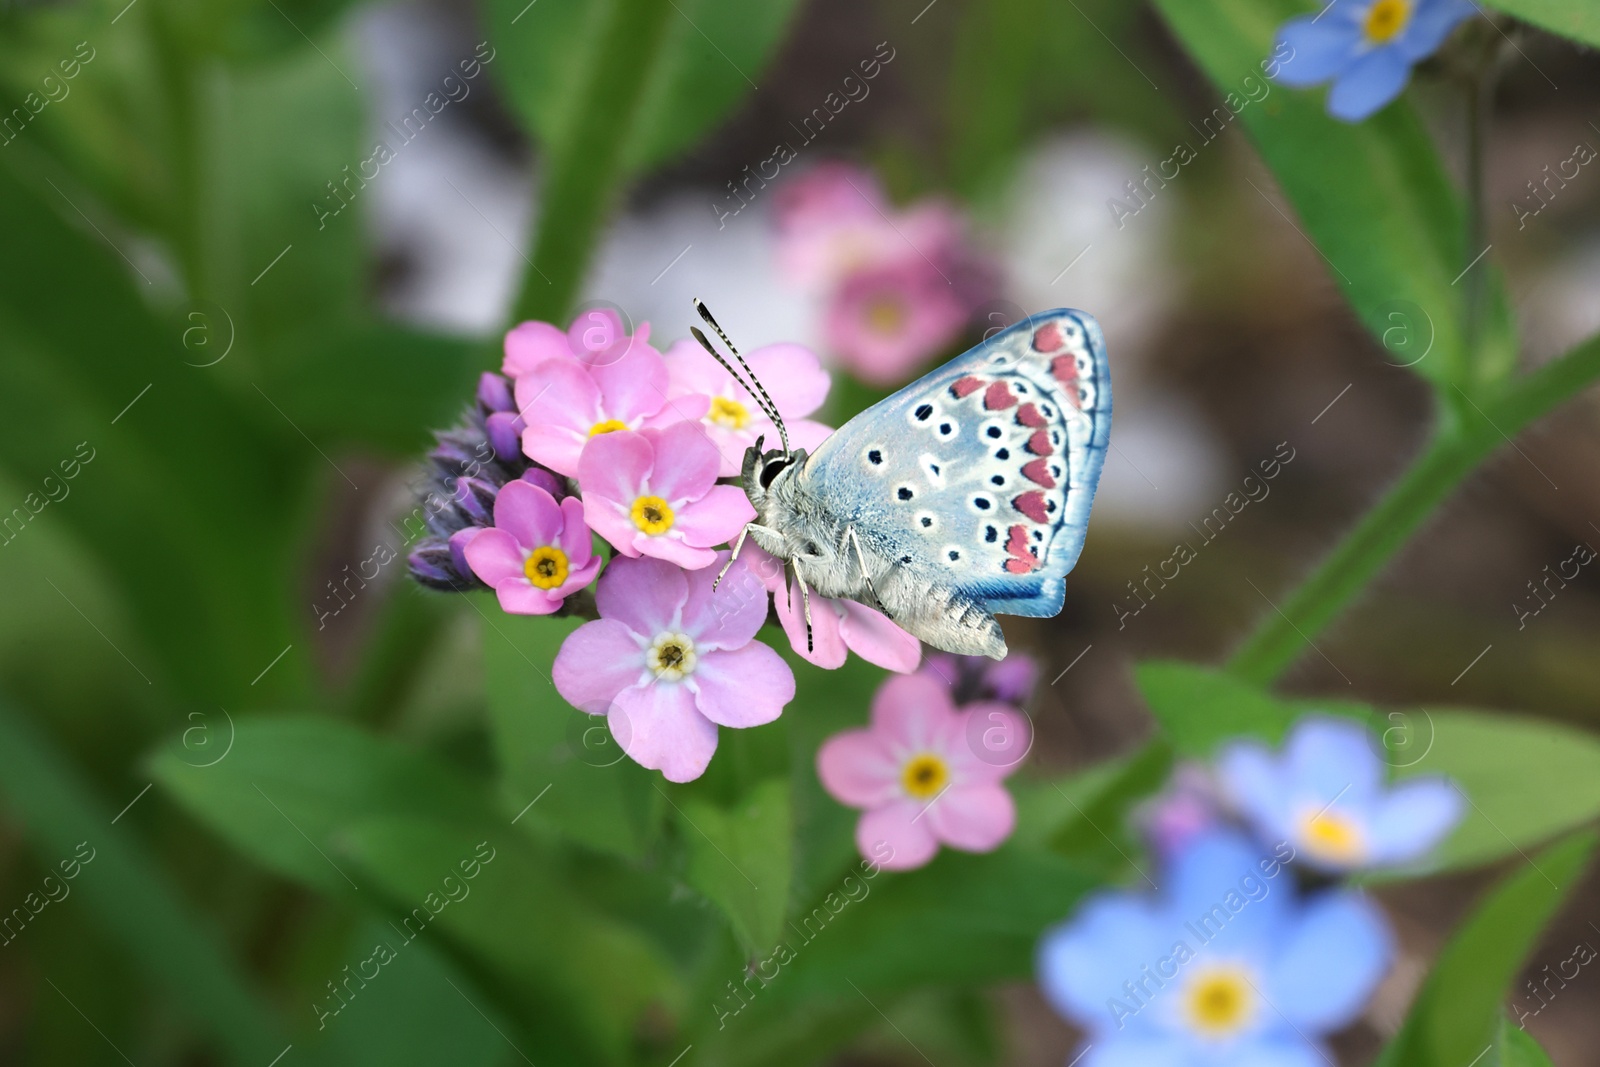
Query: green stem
(583, 162)
(1453, 453)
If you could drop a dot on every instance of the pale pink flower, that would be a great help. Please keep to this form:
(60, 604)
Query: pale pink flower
(836, 625)
(654, 493)
(565, 403)
(884, 322)
(537, 553)
(926, 774)
(792, 376)
(669, 661)
(595, 338)
(831, 220)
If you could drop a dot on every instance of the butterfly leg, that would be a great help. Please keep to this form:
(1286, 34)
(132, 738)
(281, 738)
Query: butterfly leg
(805, 599)
(866, 575)
(737, 546)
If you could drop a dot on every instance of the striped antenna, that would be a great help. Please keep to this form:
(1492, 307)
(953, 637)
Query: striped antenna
(754, 387)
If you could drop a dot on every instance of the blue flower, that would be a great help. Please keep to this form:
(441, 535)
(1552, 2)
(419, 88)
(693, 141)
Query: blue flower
(1230, 966)
(1325, 795)
(1366, 48)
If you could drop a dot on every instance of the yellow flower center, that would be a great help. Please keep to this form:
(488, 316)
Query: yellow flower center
(607, 426)
(1385, 19)
(1220, 1002)
(729, 413)
(546, 567)
(1332, 836)
(925, 775)
(652, 515)
(671, 656)
(886, 314)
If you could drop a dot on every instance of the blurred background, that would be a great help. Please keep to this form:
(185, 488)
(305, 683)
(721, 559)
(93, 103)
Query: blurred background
(241, 352)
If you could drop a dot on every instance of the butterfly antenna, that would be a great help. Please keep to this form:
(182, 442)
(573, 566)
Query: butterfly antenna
(706, 344)
(759, 390)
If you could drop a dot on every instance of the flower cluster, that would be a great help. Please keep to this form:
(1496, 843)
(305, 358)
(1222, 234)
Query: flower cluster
(928, 770)
(592, 431)
(899, 285)
(1366, 48)
(1235, 959)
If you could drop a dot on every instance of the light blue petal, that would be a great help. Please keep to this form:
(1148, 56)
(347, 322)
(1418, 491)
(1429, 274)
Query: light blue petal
(1414, 817)
(1278, 1051)
(1140, 1050)
(1218, 889)
(1430, 25)
(1370, 83)
(1084, 962)
(1328, 962)
(1252, 781)
(1322, 48)
(1329, 757)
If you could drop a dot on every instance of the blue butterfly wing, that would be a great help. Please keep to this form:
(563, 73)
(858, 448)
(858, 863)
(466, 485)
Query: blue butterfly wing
(979, 476)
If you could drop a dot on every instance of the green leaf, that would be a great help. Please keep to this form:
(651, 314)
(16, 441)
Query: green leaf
(964, 920)
(1373, 196)
(1515, 1047)
(1526, 780)
(290, 789)
(1198, 708)
(1095, 830)
(126, 893)
(1577, 19)
(741, 858)
(562, 759)
(589, 977)
(1455, 1017)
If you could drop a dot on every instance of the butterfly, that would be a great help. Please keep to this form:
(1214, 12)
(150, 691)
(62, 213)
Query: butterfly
(964, 495)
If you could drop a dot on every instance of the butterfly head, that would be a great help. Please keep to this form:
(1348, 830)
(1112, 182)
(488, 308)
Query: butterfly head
(765, 469)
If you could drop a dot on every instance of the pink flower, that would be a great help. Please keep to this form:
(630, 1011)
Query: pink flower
(884, 322)
(669, 661)
(654, 493)
(831, 220)
(836, 625)
(566, 403)
(925, 773)
(973, 678)
(538, 552)
(792, 376)
(1187, 808)
(595, 338)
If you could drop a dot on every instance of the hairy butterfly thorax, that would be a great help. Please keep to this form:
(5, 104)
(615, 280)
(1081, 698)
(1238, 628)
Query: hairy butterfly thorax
(964, 495)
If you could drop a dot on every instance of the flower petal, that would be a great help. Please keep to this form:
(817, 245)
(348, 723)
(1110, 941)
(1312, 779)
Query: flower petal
(1414, 817)
(673, 549)
(730, 616)
(716, 518)
(1430, 24)
(792, 376)
(858, 770)
(742, 687)
(974, 818)
(1368, 84)
(530, 343)
(1327, 964)
(527, 513)
(1320, 49)
(1220, 874)
(494, 557)
(686, 462)
(519, 597)
(611, 520)
(1143, 1050)
(576, 540)
(644, 595)
(597, 661)
(633, 386)
(616, 466)
(910, 840)
(1084, 961)
(658, 726)
(827, 649)
(987, 741)
(1326, 758)
(870, 635)
(908, 711)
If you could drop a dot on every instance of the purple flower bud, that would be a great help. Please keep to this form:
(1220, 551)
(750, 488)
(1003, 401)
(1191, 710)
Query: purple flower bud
(431, 564)
(458, 549)
(1011, 680)
(494, 394)
(475, 499)
(504, 429)
(554, 485)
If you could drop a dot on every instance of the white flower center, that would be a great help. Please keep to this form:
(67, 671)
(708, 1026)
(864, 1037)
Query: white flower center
(671, 656)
